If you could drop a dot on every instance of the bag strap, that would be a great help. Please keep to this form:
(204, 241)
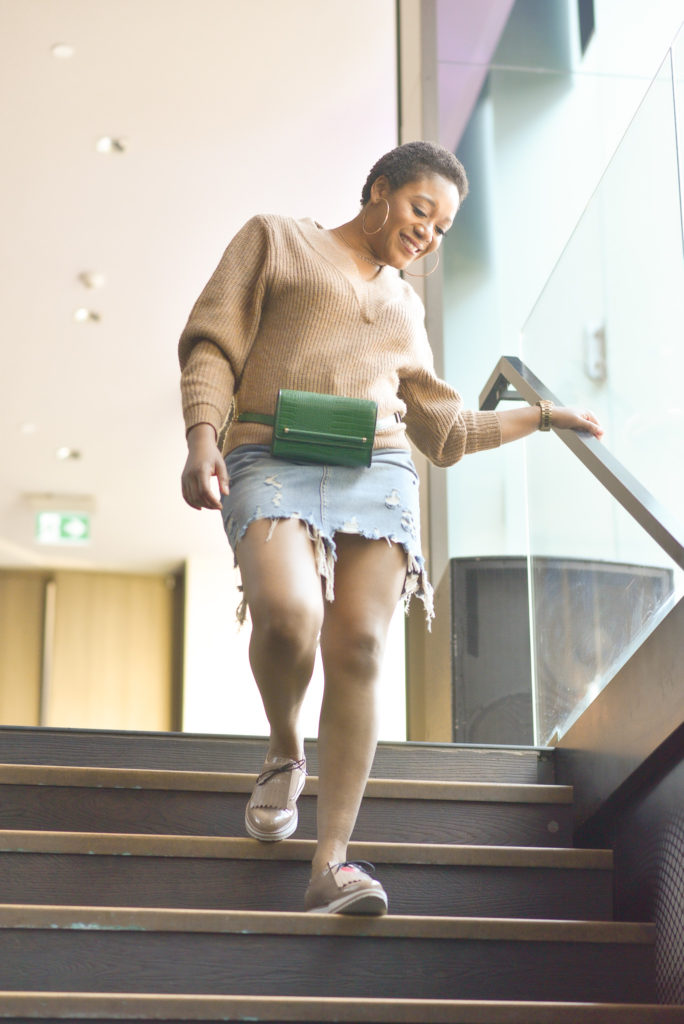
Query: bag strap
(268, 420)
(255, 417)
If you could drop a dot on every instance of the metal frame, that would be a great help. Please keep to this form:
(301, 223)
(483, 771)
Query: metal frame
(511, 380)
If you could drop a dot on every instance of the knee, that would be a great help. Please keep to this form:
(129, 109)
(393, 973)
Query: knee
(289, 628)
(356, 652)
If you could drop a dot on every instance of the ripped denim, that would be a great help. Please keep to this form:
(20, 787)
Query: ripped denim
(380, 503)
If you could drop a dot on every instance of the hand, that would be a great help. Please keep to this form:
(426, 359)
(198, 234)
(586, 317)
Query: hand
(204, 462)
(567, 418)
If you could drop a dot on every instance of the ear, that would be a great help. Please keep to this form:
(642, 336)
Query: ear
(380, 188)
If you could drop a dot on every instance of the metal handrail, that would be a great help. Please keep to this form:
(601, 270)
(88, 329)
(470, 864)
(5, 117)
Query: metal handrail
(659, 523)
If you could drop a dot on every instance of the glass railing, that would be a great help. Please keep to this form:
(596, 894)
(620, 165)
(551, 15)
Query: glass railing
(608, 331)
(605, 562)
(598, 586)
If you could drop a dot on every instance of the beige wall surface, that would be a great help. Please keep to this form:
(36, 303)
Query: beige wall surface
(21, 646)
(107, 650)
(112, 652)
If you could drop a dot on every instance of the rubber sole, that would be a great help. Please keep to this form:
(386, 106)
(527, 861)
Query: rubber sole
(272, 837)
(370, 904)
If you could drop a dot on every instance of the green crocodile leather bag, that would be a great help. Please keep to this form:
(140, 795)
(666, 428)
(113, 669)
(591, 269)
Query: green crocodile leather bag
(329, 429)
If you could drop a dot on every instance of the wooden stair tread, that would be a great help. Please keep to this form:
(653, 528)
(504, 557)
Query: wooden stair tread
(237, 782)
(134, 919)
(123, 1006)
(142, 845)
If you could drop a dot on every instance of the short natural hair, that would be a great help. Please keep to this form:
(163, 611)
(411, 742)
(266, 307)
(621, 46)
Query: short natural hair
(416, 160)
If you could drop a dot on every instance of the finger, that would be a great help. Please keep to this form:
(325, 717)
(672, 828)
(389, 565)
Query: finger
(592, 423)
(222, 477)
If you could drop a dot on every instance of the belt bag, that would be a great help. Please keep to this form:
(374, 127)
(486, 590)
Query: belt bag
(308, 427)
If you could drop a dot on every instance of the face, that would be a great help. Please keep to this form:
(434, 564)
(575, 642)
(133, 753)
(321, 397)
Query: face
(420, 214)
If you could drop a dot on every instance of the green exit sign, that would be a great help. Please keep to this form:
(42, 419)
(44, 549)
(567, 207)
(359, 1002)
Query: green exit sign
(62, 528)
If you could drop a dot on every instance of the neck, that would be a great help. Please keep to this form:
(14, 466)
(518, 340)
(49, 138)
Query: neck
(352, 235)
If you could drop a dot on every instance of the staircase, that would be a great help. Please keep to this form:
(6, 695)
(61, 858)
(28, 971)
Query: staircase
(128, 891)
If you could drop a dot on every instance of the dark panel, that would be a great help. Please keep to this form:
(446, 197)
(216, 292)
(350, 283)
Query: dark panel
(587, 22)
(491, 651)
(98, 961)
(647, 834)
(587, 612)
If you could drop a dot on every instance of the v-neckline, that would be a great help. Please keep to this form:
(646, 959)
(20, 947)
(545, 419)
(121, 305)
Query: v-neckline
(320, 240)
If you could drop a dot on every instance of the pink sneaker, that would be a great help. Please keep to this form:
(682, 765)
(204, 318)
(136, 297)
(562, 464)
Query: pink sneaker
(346, 888)
(271, 813)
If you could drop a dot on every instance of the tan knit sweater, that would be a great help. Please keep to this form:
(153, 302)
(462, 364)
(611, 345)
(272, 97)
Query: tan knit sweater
(288, 296)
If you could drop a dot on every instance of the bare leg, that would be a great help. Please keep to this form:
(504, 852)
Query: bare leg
(283, 591)
(369, 578)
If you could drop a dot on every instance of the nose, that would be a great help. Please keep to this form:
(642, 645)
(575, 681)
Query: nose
(425, 233)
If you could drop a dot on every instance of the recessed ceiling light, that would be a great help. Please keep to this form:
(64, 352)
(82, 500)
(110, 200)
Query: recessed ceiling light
(108, 144)
(83, 315)
(92, 279)
(62, 51)
(64, 454)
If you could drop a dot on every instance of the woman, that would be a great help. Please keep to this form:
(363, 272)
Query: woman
(325, 552)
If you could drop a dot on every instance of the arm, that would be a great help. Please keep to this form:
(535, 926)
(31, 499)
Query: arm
(518, 423)
(212, 352)
(443, 430)
(224, 321)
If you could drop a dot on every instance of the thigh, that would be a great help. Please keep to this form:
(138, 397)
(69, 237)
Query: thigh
(278, 566)
(369, 579)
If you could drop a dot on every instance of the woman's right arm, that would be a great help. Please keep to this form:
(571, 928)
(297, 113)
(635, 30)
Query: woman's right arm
(204, 462)
(213, 349)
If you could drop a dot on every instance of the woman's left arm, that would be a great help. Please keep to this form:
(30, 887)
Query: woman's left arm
(517, 423)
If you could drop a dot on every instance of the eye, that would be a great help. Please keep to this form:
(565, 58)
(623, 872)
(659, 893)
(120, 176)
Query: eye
(441, 232)
(419, 213)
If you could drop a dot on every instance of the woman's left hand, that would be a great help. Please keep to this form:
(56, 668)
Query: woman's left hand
(568, 418)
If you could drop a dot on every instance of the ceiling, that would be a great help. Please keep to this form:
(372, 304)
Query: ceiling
(223, 108)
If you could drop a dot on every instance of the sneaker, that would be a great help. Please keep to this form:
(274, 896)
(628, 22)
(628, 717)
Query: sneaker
(346, 888)
(271, 814)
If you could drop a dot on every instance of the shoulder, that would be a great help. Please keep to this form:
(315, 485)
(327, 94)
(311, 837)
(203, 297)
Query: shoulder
(275, 231)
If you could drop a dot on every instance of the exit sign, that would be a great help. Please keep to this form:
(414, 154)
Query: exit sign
(62, 528)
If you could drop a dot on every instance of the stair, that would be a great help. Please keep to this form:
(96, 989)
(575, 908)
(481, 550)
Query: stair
(128, 891)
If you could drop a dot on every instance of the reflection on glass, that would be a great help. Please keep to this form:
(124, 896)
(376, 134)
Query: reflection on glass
(614, 309)
(598, 586)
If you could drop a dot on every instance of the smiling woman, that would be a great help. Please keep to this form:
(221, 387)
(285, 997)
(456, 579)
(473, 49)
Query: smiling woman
(326, 551)
(409, 202)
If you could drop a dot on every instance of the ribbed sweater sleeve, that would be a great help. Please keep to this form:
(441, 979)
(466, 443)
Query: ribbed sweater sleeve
(438, 424)
(222, 326)
(435, 418)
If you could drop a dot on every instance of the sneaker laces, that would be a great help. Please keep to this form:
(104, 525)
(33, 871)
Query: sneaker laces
(270, 773)
(359, 865)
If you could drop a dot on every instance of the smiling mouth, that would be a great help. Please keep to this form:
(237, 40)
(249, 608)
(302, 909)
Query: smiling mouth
(410, 246)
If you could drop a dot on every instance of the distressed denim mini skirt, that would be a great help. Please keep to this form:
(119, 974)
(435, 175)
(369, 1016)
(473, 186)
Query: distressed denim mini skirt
(379, 502)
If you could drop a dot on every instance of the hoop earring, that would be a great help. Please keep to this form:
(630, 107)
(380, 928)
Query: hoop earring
(363, 220)
(409, 274)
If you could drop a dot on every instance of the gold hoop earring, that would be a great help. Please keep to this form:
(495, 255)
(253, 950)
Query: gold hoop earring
(409, 274)
(363, 220)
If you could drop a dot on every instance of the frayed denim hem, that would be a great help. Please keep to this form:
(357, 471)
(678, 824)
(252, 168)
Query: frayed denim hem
(325, 554)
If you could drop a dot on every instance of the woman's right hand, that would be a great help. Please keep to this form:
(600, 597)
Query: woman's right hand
(204, 462)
